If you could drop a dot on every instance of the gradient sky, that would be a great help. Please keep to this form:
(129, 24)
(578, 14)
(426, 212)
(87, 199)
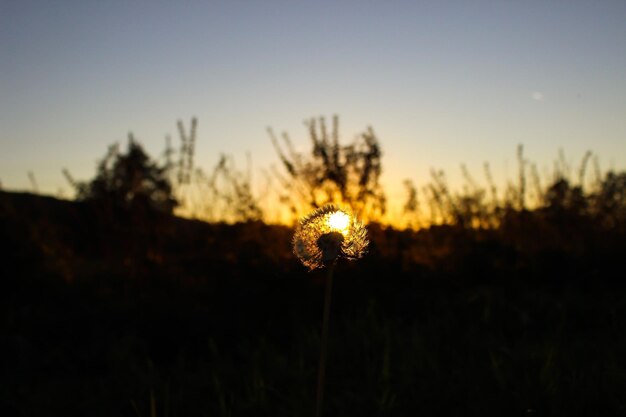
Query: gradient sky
(441, 82)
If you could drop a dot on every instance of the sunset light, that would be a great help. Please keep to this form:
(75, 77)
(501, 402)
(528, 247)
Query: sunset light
(339, 222)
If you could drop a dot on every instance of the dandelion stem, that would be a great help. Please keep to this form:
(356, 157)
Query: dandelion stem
(324, 342)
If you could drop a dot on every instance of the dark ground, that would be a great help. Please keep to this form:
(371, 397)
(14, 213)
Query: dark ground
(111, 313)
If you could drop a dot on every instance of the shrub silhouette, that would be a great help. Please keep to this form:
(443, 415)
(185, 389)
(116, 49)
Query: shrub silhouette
(129, 180)
(609, 201)
(332, 173)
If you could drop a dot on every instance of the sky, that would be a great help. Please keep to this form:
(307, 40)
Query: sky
(441, 82)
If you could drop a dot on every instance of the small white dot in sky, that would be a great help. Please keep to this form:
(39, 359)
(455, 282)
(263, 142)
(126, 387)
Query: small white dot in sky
(537, 95)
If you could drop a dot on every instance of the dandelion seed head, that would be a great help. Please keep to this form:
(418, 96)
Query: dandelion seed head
(327, 234)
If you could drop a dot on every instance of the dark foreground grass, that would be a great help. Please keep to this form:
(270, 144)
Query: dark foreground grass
(489, 350)
(105, 318)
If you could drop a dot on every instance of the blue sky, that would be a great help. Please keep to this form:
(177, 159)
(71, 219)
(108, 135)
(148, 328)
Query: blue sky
(441, 82)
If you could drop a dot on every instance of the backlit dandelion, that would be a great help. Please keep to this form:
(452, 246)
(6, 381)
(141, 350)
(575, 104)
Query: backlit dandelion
(327, 234)
(321, 238)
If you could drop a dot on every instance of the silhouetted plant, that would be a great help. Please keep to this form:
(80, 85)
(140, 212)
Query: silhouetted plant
(320, 240)
(128, 180)
(561, 198)
(224, 195)
(179, 167)
(33, 182)
(411, 209)
(332, 173)
(234, 189)
(181, 171)
(608, 202)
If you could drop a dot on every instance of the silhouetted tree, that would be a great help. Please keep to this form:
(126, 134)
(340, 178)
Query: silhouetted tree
(129, 180)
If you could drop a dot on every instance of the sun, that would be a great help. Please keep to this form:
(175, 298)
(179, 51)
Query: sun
(339, 222)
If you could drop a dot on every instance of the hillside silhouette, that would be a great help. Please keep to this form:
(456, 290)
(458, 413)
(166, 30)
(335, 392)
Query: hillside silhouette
(136, 311)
